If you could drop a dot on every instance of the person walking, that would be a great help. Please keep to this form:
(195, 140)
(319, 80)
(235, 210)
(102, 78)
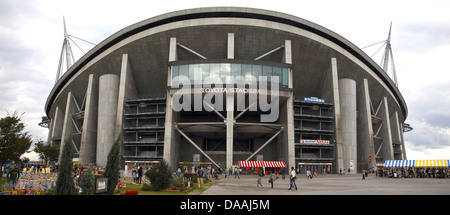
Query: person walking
(272, 179)
(13, 176)
(236, 172)
(140, 173)
(293, 177)
(199, 177)
(259, 184)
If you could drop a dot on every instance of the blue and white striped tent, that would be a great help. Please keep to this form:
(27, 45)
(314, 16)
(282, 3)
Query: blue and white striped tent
(417, 163)
(399, 163)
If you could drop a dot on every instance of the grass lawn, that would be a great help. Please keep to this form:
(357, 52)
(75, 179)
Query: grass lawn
(194, 190)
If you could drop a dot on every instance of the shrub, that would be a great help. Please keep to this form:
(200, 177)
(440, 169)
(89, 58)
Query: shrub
(160, 177)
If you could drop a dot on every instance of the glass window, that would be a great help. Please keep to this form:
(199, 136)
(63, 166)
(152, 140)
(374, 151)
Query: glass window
(236, 70)
(257, 71)
(184, 70)
(267, 71)
(276, 71)
(246, 70)
(225, 69)
(285, 77)
(174, 74)
(205, 70)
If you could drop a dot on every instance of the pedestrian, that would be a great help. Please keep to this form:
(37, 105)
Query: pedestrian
(13, 176)
(140, 173)
(236, 172)
(293, 177)
(259, 184)
(272, 179)
(199, 177)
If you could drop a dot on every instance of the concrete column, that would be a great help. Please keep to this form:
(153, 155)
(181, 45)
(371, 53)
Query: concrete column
(387, 148)
(289, 127)
(347, 99)
(230, 51)
(337, 115)
(396, 134)
(57, 125)
(88, 143)
(230, 129)
(67, 124)
(169, 132)
(107, 113)
(365, 145)
(127, 90)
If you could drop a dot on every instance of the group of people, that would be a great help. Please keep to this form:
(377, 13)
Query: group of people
(137, 174)
(413, 172)
(273, 177)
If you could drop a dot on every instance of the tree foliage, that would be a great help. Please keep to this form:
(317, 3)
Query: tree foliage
(87, 181)
(161, 176)
(112, 169)
(64, 183)
(14, 141)
(46, 152)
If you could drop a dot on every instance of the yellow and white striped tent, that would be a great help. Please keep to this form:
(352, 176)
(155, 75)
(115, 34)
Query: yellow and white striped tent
(417, 163)
(432, 163)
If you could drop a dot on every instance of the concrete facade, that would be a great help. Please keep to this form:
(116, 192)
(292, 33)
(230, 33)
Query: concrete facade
(125, 85)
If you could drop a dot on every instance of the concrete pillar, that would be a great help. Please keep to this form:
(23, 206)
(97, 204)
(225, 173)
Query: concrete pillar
(88, 143)
(289, 126)
(365, 145)
(347, 99)
(169, 132)
(396, 134)
(107, 113)
(230, 51)
(387, 148)
(337, 116)
(230, 129)
(57, 125)
(127, 90)
(67, 124)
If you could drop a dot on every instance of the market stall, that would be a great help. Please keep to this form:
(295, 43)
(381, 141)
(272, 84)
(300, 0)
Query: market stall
(268, 166)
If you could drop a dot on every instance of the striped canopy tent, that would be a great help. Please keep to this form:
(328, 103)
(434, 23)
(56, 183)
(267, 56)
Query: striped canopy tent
(399, 163)
(262, 164)
(432, 163)
(417, 163)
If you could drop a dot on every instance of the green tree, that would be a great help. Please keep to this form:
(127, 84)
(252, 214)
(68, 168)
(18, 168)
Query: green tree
(14, 141)
(64, 183)
(112, 169)
(46, 152)
(161, 176)
(87, 182)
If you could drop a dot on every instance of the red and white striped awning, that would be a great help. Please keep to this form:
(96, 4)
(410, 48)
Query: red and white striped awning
(262, 164)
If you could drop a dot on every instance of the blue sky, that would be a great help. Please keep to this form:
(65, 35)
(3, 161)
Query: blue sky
(31, 35)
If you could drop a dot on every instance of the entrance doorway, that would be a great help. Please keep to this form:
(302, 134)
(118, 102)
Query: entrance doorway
(320, 168)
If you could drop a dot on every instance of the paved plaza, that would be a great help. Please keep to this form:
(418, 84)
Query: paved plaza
(331, 185)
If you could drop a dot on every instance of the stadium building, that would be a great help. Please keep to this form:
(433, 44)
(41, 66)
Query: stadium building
(223, 85)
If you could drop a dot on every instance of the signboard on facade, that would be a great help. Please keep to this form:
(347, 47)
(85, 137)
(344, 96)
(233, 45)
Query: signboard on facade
(315, 141)
(313, 99)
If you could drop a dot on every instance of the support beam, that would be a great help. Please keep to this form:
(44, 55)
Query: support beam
(270, 52)
(337, 114)
(67, 125)
(195, 145)
(229, 122)
(265, 144)
(107, 114)
(88, 142)
(192, 51)
(230, 50)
